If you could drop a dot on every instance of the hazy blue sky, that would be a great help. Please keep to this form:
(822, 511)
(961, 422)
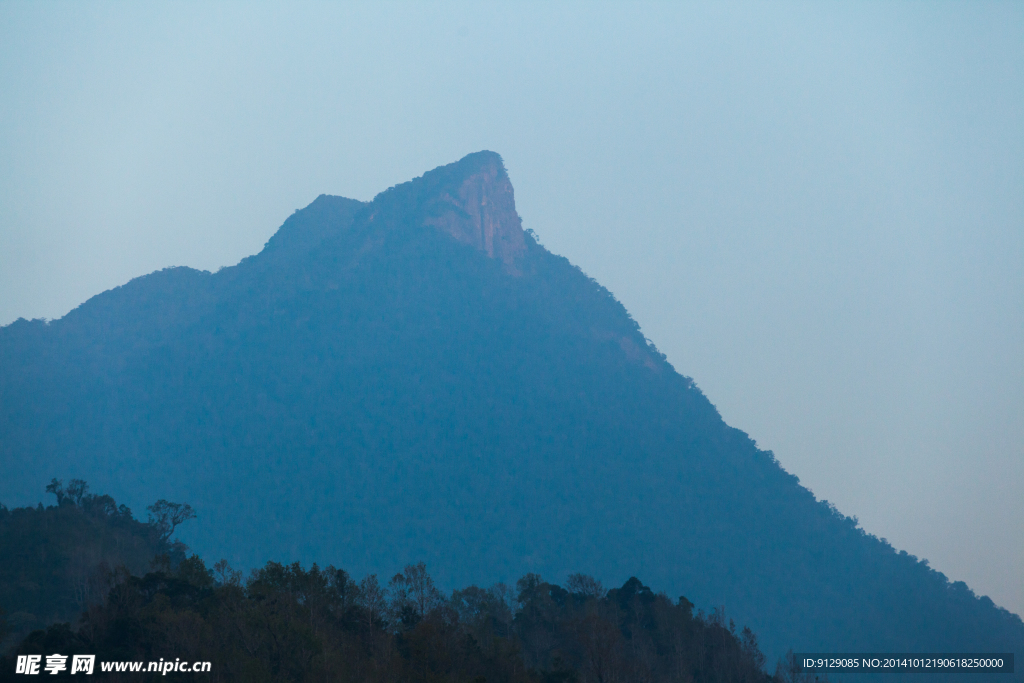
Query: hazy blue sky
(816, 210)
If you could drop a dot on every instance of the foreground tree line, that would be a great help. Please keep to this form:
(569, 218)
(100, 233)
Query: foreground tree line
(287, 623)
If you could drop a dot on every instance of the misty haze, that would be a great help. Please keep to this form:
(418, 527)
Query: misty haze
(567, 413)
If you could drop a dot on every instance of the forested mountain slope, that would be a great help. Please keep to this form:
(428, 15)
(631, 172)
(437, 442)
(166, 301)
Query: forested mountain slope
(415, 378)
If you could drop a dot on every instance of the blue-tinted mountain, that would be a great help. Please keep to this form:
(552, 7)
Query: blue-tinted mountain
(416, 378)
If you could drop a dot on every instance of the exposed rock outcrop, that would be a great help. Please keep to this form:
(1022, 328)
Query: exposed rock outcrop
(482, 211)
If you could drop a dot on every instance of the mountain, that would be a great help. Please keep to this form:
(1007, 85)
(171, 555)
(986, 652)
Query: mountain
(416, 378)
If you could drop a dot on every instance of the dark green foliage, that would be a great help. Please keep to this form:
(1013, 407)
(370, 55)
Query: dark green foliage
(58, 560)
(630, 634)
(290, 624)
(165, 516)
(368, 389)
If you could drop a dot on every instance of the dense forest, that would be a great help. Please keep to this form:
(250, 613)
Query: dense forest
(287, 623)
(417, 378)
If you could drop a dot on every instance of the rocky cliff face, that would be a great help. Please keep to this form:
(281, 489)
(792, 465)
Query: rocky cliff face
(482, 212)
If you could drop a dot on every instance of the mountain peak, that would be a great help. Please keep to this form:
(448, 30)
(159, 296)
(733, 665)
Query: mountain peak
(479, 209)
(472, 201)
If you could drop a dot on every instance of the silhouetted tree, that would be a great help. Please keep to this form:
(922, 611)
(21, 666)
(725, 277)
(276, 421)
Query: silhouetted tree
(166, 516)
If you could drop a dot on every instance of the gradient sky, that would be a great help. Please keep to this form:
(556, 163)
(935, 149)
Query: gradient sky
(815, 210)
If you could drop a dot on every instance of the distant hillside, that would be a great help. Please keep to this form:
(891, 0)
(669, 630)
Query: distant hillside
(415, 378)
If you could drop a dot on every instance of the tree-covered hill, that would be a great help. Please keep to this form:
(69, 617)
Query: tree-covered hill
(58, 560)
(416, 377)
